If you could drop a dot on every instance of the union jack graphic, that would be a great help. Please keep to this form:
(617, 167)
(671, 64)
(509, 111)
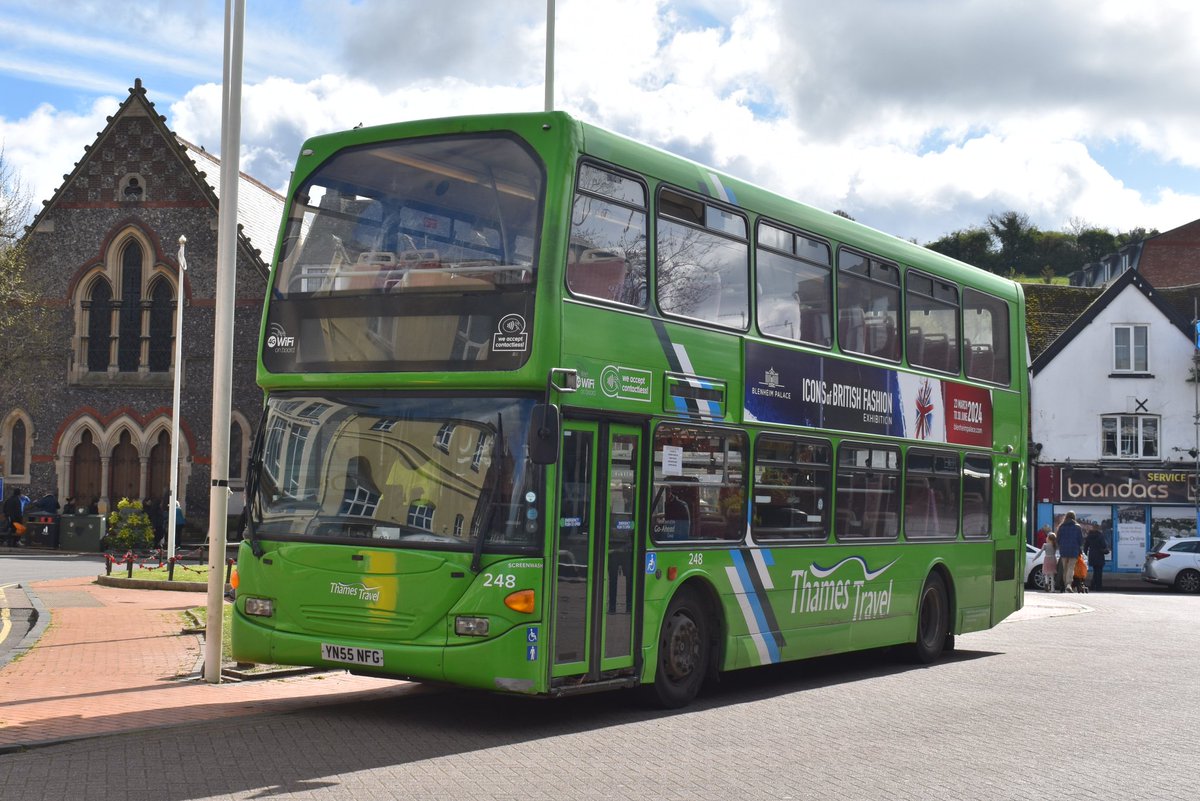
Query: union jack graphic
(925, 410)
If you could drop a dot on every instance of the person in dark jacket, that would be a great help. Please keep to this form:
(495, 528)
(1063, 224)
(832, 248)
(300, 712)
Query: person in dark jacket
(1070, 546)
(1096, 549)
(14, 512)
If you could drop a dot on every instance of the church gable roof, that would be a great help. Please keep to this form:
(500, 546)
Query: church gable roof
(135, 135)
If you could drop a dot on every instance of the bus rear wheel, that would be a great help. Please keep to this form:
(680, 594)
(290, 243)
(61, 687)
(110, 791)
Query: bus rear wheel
(683, 652)
(933, 622)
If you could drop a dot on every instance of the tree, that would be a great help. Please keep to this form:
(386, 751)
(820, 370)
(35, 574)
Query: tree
(1017, 238)
(972, 245)
(24, 319)
(1094, 244)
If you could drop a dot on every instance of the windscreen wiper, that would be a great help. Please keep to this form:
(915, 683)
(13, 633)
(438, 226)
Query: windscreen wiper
(246, 527)
(497, 454)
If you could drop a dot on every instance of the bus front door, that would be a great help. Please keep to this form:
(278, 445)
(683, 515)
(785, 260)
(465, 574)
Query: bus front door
(598, 517)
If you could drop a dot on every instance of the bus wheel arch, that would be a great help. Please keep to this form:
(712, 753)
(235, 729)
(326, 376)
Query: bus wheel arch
(688, 650)
(933, 633)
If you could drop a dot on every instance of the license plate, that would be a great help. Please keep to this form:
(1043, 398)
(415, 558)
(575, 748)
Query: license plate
(352, 656)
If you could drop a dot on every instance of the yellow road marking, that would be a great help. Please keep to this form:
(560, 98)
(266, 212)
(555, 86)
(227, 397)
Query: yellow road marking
(5, 621)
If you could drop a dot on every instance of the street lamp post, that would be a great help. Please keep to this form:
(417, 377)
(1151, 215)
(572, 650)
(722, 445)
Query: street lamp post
(170, 510)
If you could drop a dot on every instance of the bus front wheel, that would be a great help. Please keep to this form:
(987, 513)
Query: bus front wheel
(683, 651)
(933, 622)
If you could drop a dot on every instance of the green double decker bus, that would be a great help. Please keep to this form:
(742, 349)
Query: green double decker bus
(549, 411)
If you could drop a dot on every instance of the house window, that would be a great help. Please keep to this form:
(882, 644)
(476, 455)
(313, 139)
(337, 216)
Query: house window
(420, 515)
(1129, 436)
(1130, 349)
(443, 438)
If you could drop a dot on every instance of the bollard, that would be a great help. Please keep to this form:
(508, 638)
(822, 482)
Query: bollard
(129, 564)
(171, 569)
(228, 569)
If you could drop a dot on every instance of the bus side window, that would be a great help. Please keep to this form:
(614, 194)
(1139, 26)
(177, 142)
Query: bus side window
(606, 257)
(985, 325)
(699, 488)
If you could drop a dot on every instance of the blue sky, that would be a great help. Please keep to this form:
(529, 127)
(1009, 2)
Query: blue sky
(917, 117)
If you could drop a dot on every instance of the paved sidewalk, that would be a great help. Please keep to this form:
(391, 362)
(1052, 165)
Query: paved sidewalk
(114, 660)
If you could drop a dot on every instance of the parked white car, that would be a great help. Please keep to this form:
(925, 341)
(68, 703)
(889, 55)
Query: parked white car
(1174, 561)
(1033, 568)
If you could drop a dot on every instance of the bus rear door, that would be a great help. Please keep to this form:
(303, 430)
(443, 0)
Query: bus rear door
(595, 547)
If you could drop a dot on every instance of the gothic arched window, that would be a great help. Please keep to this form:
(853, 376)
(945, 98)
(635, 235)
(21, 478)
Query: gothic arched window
(99, 325)
(162, 312)
(129, 342)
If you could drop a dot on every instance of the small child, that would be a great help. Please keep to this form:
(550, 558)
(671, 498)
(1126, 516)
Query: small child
(1050, 561)
(1079, 580)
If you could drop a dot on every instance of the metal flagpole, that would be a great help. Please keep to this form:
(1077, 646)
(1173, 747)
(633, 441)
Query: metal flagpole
(175, 414)
(218, 500)
(549, 55)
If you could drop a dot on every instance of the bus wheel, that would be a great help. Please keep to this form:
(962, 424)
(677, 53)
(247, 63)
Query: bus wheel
(933, 621)
(683, 652)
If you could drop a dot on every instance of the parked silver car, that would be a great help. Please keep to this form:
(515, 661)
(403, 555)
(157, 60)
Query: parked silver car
(1174, 561)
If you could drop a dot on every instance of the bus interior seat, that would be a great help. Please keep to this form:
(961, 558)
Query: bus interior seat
(852, 329)
(982, 363)
(916, 345)
(846, 523)
(879, 524)
(937, 352)
(814, 327)
(597, 273)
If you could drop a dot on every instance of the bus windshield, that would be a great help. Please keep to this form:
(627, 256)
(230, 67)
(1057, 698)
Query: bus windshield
(405, 472)
(410, 255)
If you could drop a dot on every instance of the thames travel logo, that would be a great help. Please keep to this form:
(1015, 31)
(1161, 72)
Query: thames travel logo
(360, 591)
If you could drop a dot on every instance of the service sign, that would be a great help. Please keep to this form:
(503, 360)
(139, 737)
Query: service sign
(796, 388)
(1118, 485)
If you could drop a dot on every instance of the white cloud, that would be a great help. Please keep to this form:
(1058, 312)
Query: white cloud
(919, 117)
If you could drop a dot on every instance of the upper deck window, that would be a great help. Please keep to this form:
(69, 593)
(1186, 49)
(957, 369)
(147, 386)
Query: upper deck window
(868, 306)
(702, 261)
(606, 257)
(985, 337)
(409, 255)
(795, 286)
(932, 323)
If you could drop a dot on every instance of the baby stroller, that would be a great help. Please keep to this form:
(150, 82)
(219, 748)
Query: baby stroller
(1079, 581)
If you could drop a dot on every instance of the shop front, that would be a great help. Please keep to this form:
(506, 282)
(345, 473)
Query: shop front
(1130, 506)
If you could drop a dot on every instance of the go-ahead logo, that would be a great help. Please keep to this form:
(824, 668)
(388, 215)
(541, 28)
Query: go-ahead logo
(278, 339)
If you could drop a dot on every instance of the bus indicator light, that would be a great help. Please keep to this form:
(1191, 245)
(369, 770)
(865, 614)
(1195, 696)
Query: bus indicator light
(521, 601)
(672, 572)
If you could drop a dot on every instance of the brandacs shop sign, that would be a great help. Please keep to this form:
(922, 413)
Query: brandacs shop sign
(1089, 485)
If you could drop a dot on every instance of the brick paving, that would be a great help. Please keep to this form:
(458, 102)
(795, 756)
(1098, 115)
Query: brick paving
(114, 660)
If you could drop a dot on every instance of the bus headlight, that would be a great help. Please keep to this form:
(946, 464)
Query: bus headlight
(260, 607)
(471, 626)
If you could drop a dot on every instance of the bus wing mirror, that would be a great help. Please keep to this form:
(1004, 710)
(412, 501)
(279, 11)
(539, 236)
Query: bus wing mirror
(544, 434)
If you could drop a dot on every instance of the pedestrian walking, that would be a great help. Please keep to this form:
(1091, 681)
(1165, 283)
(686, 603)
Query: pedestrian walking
(1070, 546)
(1039, 539)
(1097, 548)
(1049, 562)
(14, 511)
